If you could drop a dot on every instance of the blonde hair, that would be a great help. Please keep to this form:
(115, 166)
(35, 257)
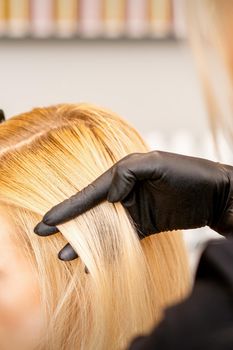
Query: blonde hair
(210, 28)
(47, 155)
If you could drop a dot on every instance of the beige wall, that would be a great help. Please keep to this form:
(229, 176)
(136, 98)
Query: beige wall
(151, 83)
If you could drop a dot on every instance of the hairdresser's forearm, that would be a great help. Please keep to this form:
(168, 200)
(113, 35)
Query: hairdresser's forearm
(205, 319)
(193, 323)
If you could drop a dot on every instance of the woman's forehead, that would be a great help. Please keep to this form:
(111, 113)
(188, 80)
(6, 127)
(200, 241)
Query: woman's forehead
(5, 222)
(6, 230)
(12, 257)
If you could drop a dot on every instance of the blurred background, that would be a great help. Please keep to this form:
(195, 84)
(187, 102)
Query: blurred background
(131, 56)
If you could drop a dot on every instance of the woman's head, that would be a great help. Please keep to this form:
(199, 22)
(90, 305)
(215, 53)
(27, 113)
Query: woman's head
(47, 155)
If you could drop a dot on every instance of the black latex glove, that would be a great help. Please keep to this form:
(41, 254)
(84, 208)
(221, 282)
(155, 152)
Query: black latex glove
(162, 191)
(2, 116)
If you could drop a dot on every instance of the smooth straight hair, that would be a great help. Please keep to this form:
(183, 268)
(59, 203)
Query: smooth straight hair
(210, 29)
(47, 155)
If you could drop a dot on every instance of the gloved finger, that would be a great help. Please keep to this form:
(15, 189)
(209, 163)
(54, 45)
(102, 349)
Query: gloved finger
(42, 229)
(79, 203)
(122, 184)
(132, 204)
(134, 167)
(67, 253)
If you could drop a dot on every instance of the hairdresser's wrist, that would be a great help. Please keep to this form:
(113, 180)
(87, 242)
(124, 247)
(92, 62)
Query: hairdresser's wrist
(222, 221)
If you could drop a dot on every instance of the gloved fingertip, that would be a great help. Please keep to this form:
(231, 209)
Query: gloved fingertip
(47, 218)
(67, 253)
(42, 229)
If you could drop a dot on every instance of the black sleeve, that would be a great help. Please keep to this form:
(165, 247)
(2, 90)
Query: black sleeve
(205, 319)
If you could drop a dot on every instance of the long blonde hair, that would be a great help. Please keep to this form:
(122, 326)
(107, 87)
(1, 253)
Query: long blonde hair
(210, 28)
(49, 154)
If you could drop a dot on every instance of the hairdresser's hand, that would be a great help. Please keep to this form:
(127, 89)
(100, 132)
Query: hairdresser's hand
(161, 191)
